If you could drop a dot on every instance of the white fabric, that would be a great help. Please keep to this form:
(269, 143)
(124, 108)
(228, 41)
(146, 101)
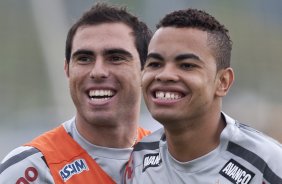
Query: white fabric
(18, 164)
(244, 156)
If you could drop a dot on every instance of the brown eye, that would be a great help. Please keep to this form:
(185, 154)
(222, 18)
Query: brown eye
(84, 59)
(153, 65)
(187, 66)
(117, 58)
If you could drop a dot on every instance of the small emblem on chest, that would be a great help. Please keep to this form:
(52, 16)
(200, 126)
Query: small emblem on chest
(151, 160)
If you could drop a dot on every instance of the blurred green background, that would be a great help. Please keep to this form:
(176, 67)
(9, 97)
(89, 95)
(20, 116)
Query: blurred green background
(34, 93)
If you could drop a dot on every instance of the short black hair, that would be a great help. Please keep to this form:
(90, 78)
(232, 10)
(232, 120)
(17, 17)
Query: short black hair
(104, 13)
(218, 36)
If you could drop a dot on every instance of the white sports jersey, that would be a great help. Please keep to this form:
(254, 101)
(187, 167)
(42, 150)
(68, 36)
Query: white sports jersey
(26, 164)
(244, 156)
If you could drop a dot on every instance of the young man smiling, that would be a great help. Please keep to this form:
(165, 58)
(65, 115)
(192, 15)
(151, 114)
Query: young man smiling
(186, 75)
(105, 51)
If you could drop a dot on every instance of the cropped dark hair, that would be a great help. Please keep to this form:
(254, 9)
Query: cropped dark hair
(218, 36)
(104, 13)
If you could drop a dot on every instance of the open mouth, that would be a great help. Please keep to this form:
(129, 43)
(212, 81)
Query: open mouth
(100, 95)
(167, 95)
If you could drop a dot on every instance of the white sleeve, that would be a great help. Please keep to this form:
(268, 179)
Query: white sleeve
(25, 165)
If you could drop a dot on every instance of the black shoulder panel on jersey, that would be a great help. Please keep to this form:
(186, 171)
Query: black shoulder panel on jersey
(255, 160)
(17, 158)
(146, 146)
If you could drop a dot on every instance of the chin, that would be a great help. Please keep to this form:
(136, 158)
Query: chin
(99, 118)
(164, 119)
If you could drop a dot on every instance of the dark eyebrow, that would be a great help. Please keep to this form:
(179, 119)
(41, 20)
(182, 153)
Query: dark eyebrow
(84, 52)
(186, 56)
(117, 51)
(155, 56)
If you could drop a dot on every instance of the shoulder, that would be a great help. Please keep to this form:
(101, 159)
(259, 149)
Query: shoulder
(256, 141)
(23, 164)
(255, 148)
(252, 139)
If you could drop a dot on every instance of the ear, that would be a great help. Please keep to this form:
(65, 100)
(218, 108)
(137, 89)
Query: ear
(66, 68)
(225, 81)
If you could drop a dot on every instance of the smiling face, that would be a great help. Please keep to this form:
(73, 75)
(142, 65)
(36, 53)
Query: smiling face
(104, 74)
(180, 80)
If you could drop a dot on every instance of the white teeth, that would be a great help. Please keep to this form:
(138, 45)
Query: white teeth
(99, 99)
(168, 95)
(160, 94)
(101, 93)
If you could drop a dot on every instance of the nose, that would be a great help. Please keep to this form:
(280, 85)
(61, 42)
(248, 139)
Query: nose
(99, 70)
(167, 74)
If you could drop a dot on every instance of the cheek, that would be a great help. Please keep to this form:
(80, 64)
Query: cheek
(78, 72)
(144, 83)
(202, 79)
(147, 78)
(134, 77)
(76, 80)
(137, 76)
(72, 79)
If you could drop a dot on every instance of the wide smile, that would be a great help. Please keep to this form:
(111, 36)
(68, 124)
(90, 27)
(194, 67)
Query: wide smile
(161, 97)
(100, 95)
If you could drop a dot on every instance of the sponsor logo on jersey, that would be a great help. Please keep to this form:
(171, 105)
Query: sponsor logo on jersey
(236, 173)
(76, 167)
(151, 160)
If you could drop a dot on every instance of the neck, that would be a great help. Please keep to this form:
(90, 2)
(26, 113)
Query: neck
(119, 135)
(194, 141)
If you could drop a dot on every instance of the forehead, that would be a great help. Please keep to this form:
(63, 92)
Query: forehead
(170, 41)
(104, 36)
